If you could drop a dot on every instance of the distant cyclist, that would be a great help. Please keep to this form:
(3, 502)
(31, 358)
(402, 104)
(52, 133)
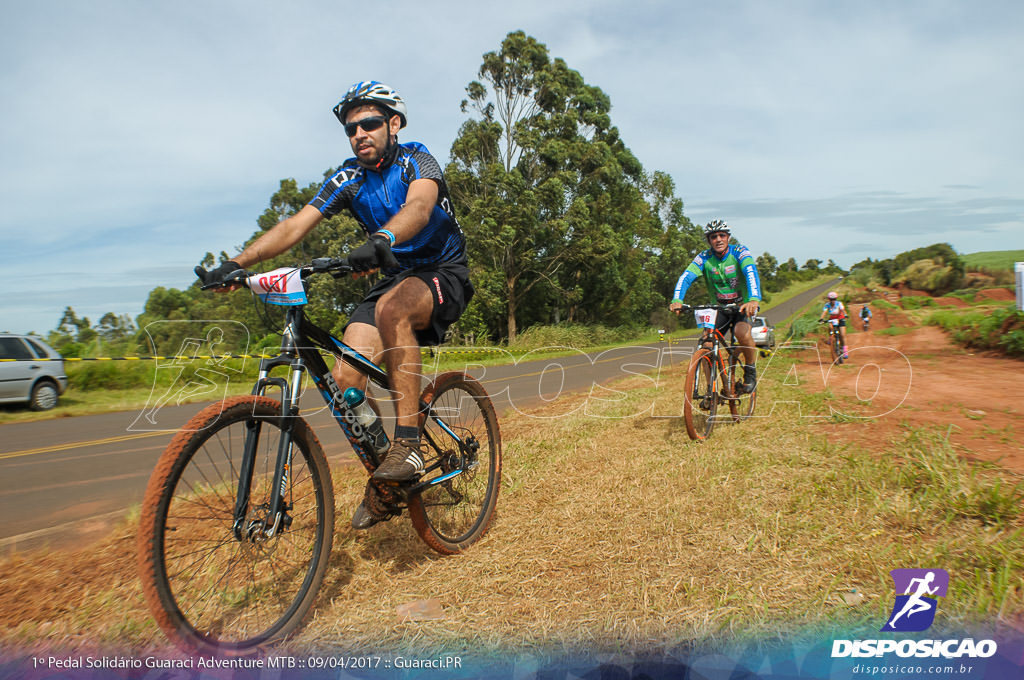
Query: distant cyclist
(865, 316)
(731, 277)
(835, 311)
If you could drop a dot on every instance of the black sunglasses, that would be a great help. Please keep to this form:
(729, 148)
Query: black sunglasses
(369, 124)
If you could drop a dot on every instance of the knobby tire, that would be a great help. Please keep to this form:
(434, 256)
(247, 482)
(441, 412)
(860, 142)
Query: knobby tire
(456, 513)
(208, 591)
(700, 402)
(743, 407)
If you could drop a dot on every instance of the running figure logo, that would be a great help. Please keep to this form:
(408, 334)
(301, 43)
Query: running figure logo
(917, 590)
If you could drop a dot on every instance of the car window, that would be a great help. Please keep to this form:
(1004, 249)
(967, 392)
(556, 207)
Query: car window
(14, 348)
(758, 321)
(38, 349)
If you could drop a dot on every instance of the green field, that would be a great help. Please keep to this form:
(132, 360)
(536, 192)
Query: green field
(994, 259)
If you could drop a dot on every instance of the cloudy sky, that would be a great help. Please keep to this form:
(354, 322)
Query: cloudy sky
(136, 137)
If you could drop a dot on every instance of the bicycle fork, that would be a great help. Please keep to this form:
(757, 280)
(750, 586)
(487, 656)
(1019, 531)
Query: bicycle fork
(275, 513)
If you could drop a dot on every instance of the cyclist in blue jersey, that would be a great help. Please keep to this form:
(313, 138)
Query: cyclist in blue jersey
(731, 277)
(397, 194)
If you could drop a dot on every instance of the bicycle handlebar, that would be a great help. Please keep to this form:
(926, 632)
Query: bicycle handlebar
(335, 266)
(731, 307)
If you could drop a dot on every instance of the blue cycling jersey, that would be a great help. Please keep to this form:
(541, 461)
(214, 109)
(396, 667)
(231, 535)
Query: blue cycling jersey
(374, 197)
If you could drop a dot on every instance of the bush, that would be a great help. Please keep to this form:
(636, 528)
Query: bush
(802, 326)
(1001, 330)
(965, 294)
(88, 376)
(916, 301)
(931, 276)
(572, 335)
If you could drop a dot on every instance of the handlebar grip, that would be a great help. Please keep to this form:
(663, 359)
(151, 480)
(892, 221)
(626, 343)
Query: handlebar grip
(235, 277)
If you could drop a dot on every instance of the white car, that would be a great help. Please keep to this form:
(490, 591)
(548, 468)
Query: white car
(763, 333)
(36, 376)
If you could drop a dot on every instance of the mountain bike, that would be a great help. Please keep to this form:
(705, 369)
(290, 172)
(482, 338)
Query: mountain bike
(865, 322)
(714, 374)
(237, 521)
(834, 340)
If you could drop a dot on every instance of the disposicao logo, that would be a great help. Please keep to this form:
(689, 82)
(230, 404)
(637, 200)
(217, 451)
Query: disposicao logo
(916, 593)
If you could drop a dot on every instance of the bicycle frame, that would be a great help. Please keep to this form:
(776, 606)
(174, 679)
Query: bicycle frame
(301, 341)
(718, 343)
(834, 341)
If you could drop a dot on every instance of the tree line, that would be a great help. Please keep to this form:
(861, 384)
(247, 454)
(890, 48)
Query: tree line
(564, 225)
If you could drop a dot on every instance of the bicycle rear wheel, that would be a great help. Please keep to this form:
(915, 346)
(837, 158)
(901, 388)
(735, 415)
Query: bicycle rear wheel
(742, 406)
(208, 589)
(454, 514)
(701, 399)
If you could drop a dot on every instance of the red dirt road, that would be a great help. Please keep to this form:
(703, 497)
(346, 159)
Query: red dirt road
(919, 378)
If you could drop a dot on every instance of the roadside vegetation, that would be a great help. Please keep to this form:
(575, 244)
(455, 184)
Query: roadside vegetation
(1000, 329)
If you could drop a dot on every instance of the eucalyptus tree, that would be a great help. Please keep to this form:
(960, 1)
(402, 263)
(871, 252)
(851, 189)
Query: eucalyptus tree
(554, 203)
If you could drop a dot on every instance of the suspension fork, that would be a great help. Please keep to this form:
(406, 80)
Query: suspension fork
(269, 525)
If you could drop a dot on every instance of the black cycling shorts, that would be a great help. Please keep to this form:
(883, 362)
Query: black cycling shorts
(449, 287)
(726, 320)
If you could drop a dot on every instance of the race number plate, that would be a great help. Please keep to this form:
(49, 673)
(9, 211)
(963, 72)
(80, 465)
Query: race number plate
(279, 287)
(706, 317)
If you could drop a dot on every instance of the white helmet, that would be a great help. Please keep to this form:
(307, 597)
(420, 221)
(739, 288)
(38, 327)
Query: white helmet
(715, 226)
(373, 93)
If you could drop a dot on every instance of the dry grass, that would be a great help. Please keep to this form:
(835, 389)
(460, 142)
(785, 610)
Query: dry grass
(614, 534)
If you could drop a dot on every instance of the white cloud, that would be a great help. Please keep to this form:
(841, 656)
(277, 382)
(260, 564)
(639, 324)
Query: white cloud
(144, 134)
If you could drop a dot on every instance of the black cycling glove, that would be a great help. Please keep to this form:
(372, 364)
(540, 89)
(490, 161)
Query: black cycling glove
(217, 275)
(376, 252)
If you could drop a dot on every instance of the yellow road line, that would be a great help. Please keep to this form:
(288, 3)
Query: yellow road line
(142, 435)
(77, 445)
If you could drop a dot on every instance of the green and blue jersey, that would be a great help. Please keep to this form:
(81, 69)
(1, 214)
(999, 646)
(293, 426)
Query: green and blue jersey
(732, 278)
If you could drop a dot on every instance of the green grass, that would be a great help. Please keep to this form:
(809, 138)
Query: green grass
(993, 259)
(894, 330)
(917, 301)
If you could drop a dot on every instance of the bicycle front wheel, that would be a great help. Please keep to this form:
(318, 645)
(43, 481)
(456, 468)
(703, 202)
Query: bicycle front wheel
(460, 430)
(701, 400)
(742, 406)
(837, 348)
(216, 587)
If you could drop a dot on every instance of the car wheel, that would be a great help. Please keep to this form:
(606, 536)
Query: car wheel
(44, 396)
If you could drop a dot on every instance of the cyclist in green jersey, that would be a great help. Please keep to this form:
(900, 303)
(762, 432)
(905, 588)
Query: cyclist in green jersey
(731, 277)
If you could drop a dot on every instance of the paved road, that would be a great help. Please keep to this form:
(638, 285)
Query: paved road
(66, 480)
